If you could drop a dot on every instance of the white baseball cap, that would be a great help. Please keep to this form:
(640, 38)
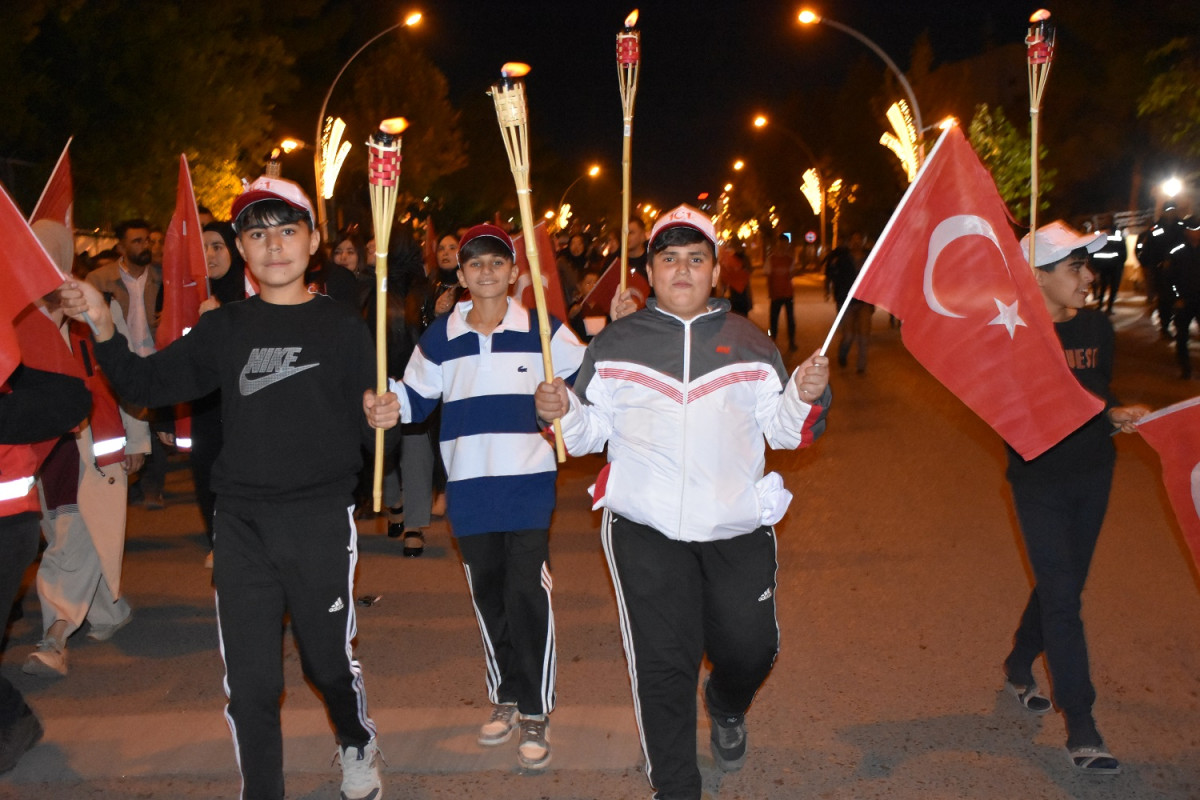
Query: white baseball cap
(1057, 240)
(268, 188)
(685, 217)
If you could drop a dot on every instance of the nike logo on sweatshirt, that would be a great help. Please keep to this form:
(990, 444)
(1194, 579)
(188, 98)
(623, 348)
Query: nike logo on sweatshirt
(272, 364)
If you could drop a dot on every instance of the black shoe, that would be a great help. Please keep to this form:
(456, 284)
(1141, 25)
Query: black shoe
(727, 738)
(414, 543)
(395, 530)
(17, 739)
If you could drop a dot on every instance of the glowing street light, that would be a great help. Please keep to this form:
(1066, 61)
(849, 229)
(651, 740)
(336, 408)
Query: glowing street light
(739, 164)
(810, 17)
(904, 141)
(1171, 187)
(323, 192)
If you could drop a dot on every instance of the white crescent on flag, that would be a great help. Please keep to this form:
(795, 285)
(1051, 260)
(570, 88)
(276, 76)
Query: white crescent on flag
(949, 230)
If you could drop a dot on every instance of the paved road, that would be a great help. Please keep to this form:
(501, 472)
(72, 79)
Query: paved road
(901, 580)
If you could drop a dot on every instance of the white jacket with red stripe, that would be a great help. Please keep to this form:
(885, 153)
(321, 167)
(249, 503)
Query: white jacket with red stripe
(685, 408)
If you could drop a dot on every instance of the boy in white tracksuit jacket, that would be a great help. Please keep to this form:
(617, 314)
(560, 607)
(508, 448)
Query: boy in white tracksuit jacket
(684, 395)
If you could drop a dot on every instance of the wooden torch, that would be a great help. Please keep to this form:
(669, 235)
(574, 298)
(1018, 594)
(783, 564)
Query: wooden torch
(1039, 43)
(629, 60)
(383, 175)
(513, 116)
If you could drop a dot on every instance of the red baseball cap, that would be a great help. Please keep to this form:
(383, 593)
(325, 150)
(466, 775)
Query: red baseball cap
(268, 188)
(685, 216)
(491, 231)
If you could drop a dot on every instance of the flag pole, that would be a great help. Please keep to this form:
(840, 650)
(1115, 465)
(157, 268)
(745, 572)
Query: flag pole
(1039, 43)
(837, 320)
(629, 59)
(513, 116)
(383, 175)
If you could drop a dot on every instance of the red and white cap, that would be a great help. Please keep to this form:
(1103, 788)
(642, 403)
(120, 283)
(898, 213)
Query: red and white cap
(268, 188)
(1056, 241)
(489, 231)
(685, 216)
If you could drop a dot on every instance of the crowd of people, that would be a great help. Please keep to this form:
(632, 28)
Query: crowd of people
(286, 334)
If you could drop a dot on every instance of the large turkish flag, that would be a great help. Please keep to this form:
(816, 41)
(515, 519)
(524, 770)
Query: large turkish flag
(1174, 432)
(949, 266)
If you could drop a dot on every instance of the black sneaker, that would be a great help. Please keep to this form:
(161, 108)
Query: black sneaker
(728, 738)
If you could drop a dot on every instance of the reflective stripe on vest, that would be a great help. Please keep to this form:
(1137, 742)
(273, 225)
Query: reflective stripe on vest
(15, 489)
(107, 446)
(183, 443)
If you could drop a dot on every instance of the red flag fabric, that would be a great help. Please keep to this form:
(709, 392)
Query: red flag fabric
(43, 346)
(950, 267)
(184, 268)
(548, 264)
(185, 281)
(26, 273)
(1174, 432)
(58, 197)
(599, 299)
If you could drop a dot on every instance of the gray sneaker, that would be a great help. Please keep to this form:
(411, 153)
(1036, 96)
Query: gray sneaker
(534, 750)
(49, 660)
(500, 725)
(102, 633)
(360, 772)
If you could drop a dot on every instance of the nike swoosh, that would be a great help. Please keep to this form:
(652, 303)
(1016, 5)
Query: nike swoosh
(249, 386)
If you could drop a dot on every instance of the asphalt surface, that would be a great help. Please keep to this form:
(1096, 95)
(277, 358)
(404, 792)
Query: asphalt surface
(901, 580)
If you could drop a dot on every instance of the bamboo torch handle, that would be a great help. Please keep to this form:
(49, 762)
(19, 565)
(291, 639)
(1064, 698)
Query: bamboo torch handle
(381, 377)
(626, 170)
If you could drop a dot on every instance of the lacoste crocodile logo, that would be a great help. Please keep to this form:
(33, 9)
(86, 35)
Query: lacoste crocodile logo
(276, 362)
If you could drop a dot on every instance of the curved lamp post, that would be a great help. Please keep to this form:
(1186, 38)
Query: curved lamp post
(760, 122)
(810, 17)
(592, 172)
(409, 21)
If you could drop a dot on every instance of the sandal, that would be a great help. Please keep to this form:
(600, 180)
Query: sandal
(1093, 761)
(1030, 697)
(414, 544)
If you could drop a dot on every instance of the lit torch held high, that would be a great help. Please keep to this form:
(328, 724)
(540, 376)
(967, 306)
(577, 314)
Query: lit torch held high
(1039, 43)
(629, 61)
(383, 175)
(513, 115)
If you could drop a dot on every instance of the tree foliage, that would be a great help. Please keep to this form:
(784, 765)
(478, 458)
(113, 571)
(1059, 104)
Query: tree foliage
(138, 82)
(1172, 100)
(1004, 150)
(395, 79)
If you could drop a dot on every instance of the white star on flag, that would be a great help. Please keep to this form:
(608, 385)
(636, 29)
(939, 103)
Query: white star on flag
(1008, 317)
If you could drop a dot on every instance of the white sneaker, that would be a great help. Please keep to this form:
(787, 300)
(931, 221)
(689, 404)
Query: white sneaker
(500, 725)
(534, 750)
(360, 772)
(102, 633)
(49, 660)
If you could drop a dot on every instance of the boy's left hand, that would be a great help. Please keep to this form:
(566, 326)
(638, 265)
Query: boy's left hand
(812, 377)
(383, 411)
(1126, 417)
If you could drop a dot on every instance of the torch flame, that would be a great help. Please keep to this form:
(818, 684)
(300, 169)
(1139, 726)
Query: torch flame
(1040, 15)
(514, 69)
(393, 126)
(631, 20)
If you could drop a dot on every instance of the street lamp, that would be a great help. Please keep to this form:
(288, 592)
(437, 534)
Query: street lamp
(738, 165)
(761, 122)
(286, 147)
(413, 18)
(809, 17)
(592, 172)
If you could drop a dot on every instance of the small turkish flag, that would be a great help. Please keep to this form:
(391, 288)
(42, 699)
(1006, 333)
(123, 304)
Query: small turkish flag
(949, 266)
(548, 266)
(1174, 432)
(58, 197)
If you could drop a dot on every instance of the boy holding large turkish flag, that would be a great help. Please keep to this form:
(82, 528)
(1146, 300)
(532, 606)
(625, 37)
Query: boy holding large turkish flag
(1061, 497)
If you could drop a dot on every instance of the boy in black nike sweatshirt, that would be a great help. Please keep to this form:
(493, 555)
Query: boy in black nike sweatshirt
(293, 370)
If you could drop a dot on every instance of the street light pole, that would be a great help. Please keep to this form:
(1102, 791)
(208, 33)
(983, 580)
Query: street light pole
(322, 221)
(808, 17)
(761, 122)
(592, 172)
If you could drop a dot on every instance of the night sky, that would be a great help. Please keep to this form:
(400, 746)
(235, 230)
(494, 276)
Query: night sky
(706, 68)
